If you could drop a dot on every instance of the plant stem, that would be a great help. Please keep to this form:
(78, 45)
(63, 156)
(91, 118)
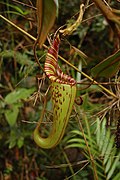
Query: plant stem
(69, 164)
(89, 152)
(88, 77)
(20, 29)
(107, 12)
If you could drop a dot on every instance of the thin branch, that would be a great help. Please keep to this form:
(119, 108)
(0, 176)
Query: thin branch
(87, 145)
(107, 12)
(18, 2)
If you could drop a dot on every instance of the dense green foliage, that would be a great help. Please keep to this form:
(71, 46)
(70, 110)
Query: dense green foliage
(88, 148)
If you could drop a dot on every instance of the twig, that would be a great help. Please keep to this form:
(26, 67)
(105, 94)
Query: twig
(24, 4)
(66, 165)
(69, 164)
(77, 171)
(86, 142)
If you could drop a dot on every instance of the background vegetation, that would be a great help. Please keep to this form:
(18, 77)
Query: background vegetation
(88, 149)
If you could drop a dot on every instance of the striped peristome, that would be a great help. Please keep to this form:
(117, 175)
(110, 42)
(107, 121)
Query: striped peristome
(63, 92)
(52, 68)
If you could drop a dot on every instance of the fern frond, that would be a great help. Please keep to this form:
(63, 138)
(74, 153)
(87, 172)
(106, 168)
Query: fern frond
(113, 167)
(102, 149)
(117, 177)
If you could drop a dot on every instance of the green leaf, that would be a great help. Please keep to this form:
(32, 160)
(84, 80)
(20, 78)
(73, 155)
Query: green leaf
(12, 138)
(11, 115)
(106, 142)
(108, 67)
(77, 140)
(103, 132)
(12, 99)
(12, 143)
(21, 58)
(117, 159)
(117, 176)
(17, 8)
(18, 94)
(46, 14)
(77, 145)
(20, 142)
(98, 130)
(108, 164)
(109, 150)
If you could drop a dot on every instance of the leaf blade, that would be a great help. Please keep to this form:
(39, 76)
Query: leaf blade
(16, 95)
(108, 67)
(46, 14)
(11, 115)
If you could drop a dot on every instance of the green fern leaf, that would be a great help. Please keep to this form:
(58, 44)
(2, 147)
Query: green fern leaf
(109, 149)
(98, 130)
(106, 142)
(102, 134)
(102, 149)
(117, 177)
(117, 159)
(110, 160)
